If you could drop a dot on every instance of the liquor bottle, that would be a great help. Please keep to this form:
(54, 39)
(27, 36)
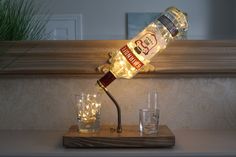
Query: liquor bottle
(129, 59)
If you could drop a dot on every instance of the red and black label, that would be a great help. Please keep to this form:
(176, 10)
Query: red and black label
(132, 59)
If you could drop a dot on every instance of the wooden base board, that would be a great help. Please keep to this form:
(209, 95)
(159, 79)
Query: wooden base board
(129, 138)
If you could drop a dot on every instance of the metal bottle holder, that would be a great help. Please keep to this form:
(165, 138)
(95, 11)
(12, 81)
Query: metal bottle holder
(119, 127)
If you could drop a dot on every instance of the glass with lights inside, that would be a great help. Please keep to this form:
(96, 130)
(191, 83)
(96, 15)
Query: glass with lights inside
(88, 112)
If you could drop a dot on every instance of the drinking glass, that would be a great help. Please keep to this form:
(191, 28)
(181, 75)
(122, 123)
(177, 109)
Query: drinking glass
(88, 112)
(149, 117)
(149, 121)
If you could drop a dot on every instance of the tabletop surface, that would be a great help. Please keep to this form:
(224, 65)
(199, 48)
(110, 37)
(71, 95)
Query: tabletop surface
(49, 143)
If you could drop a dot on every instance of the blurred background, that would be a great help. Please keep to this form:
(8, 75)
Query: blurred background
(112, 19)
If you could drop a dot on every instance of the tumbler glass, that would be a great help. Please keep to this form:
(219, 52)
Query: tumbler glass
(149, 121)
(88, 112)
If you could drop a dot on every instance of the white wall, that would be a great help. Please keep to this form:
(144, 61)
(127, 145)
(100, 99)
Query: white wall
(48, 103)
(106, 19)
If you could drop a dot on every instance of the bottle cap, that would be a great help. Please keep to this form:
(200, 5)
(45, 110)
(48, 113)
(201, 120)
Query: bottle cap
(178, 18)
(175, 21)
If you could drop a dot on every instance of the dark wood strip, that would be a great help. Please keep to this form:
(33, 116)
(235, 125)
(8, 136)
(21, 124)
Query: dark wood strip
(78, 58)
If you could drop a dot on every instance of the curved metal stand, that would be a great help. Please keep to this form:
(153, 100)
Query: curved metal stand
(119, 127)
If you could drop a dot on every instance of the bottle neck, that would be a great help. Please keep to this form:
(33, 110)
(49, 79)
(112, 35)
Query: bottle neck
(106, 79)
(170, 26)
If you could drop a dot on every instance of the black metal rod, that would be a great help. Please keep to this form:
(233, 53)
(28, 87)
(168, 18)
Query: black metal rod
(119, 126)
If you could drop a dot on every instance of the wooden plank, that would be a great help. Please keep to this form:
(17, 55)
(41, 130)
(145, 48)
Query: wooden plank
(129, 138)
(81, 58)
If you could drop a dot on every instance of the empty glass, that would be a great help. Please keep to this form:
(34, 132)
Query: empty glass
(148, 120)
(149, 117)
(88, 112)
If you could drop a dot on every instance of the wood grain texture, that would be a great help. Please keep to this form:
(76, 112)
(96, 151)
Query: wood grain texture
(129, 138)
(81, 58)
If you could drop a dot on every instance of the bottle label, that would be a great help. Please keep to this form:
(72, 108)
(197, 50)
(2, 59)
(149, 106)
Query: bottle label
(145, 43)
(148, 42)
(132, 59)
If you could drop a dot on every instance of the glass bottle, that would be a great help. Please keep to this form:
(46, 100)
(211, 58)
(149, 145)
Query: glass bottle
(138, 52)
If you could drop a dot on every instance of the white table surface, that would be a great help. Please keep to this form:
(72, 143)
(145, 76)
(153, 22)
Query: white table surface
(49, 143)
